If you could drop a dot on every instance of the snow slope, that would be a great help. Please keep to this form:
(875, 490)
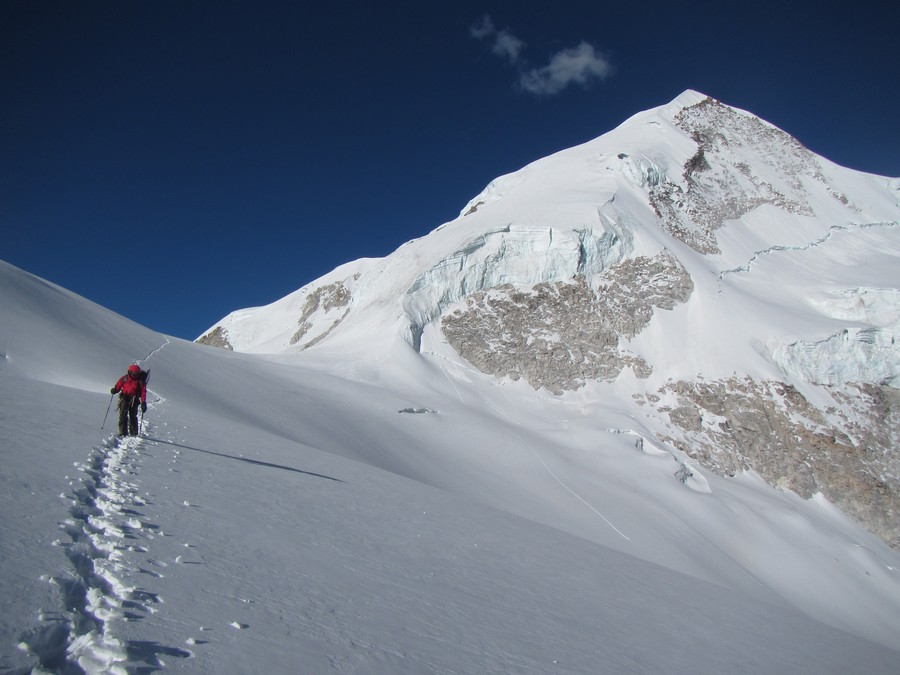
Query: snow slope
(281, 514)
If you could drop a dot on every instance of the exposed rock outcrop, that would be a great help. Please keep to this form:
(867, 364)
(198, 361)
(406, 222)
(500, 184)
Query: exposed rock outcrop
(325, 298)
(716, 186)
(560, 335)
(217, 337)
(848, 452)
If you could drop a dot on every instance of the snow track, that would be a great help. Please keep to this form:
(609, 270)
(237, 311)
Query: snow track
(156, 351)
(107, 532)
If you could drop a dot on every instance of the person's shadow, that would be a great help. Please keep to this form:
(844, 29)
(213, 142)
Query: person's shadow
(244, 459)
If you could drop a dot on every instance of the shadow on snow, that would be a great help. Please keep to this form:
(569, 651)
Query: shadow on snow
(244, 459)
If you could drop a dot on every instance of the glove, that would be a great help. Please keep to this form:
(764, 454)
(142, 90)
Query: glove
(143, 406)
(112, 391)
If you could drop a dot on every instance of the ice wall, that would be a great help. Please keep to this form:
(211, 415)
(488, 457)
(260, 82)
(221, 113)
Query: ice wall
(521, 255)
(866, 353)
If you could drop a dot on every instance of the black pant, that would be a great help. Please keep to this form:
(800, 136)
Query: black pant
(128, 415)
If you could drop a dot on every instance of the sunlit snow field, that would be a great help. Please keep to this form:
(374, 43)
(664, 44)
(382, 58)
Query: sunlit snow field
(280, 514)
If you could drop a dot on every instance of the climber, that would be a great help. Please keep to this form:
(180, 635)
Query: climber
(132, 390)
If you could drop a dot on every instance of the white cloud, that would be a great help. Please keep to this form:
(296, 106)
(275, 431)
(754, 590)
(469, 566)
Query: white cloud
(483, 28)
(579, 65)
(508, 46)
(505, 45)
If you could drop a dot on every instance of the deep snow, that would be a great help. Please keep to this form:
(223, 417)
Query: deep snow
(282, 515)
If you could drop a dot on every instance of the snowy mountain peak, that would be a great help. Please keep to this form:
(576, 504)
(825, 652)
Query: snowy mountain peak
(696, 262)
(693, 172)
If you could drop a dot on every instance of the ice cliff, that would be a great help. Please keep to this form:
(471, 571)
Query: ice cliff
(866, 350)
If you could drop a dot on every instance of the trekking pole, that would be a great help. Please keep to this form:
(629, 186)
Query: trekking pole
(107, 412)
(146, 380)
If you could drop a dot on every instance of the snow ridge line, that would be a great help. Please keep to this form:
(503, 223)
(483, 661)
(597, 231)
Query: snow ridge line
(853, 227)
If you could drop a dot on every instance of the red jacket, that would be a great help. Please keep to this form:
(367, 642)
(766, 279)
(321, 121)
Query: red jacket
(131, 386)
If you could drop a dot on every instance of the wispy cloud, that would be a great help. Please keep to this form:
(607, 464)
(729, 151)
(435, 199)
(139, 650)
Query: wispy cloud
(508, 46)
(503, 43)
(483, 28)
(581, 65)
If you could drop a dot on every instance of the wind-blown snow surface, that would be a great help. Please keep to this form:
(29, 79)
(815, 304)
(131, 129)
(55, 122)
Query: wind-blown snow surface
(281, 515)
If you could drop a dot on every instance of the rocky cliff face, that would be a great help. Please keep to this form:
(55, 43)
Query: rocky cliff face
(217, 337)
(847, 451)
(559, 336)
(744, 289)
(741, 163)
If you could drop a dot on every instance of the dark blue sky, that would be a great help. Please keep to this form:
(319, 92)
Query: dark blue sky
(177, 160)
